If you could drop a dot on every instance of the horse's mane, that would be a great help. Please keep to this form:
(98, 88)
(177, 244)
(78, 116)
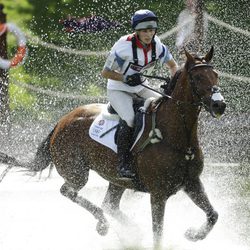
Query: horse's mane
(169, 87)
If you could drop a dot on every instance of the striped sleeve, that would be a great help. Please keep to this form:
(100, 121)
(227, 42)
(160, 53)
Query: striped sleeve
(165, 55)
(114, 60)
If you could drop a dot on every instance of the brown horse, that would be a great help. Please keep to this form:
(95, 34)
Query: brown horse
(163, 168)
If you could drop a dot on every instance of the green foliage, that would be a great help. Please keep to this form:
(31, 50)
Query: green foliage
(16, 9)
(21, 99)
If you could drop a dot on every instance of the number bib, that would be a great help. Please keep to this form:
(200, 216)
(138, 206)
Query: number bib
(133, 68)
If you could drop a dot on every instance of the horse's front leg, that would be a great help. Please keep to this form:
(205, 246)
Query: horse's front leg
(195, 190)
(157, 210)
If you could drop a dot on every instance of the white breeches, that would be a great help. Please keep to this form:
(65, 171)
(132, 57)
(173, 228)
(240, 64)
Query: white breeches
(122, 102)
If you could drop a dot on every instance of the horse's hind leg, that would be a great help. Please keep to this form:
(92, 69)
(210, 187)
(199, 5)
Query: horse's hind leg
(195, 190)
(111, 204)
(72, 193)
(112, 198)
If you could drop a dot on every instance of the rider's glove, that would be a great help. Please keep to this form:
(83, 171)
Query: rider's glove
(134, 80)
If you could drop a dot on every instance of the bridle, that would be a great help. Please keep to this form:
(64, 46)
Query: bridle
(214, 89)
(194, 89)
(189, 152)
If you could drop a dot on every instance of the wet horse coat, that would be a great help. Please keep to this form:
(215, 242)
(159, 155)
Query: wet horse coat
(164, 168)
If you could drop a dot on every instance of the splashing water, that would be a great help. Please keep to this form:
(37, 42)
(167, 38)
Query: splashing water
(37, 216)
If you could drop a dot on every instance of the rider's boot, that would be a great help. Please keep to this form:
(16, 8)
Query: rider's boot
(124, 140)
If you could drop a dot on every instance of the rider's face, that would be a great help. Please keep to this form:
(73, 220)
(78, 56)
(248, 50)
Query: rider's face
(146, 35)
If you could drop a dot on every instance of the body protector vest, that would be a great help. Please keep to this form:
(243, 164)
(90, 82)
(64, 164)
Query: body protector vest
(134, 67)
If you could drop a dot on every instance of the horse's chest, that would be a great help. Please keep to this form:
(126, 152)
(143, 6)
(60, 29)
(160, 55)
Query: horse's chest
(170, 172)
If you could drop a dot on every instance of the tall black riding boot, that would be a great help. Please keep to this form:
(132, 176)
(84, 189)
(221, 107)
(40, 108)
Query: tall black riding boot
(124, 140)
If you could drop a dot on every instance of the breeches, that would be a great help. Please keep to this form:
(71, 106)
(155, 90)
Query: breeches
(122, 102)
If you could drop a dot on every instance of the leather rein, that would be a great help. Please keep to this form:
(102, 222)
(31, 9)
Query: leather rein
(190, 151)
(191, 81)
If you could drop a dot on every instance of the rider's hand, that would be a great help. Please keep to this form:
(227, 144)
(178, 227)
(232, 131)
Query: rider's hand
(134, 80)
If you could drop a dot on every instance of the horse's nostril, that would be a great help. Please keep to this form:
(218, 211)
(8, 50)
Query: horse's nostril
(218, 108)
(218, 105)
(223, 106)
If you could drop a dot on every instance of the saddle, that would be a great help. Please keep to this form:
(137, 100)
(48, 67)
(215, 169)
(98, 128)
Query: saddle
(106, 125)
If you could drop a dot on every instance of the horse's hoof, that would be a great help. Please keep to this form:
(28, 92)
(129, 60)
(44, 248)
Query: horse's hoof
(102, 227)
(194, 235)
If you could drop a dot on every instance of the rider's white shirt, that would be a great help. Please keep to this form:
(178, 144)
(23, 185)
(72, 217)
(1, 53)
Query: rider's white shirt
(121, 60)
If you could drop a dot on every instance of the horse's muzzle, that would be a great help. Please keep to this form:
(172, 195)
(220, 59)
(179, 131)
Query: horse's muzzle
(217, 108)
(217, 104)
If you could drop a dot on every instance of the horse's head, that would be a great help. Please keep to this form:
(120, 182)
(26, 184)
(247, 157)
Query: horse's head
(204, 83)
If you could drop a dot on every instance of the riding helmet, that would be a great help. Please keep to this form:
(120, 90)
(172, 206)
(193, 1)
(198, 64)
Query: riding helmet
(144, 19)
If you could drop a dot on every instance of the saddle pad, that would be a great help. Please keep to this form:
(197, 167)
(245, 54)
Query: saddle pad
(99, 127)
(103, 130)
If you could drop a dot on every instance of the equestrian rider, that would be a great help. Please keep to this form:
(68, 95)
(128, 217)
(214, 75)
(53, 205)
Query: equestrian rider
(130, 57)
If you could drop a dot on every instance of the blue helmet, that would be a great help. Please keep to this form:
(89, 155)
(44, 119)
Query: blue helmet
(144, 19)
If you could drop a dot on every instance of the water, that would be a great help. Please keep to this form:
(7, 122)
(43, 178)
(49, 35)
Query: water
(34, 215)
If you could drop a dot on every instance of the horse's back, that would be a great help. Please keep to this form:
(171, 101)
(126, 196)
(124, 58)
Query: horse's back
(80, 117)
(86, 112)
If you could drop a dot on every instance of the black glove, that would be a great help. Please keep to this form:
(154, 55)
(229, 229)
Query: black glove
(134, 80)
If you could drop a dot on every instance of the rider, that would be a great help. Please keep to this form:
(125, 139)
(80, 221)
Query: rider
(130, 57)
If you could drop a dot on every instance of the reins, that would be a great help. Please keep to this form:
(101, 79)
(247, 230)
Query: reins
(192, 83)
(189, 152)
(163, 94)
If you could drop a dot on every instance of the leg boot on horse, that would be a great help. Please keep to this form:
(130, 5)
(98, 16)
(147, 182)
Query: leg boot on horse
(124, 141)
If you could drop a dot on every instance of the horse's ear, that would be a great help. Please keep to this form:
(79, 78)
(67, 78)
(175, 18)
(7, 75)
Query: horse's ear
(208, 57)
(190, 58)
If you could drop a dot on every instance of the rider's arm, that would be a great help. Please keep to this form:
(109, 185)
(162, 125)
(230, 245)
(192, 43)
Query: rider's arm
(111, 67)
(166, 58)
(110, 74)
(173, 66)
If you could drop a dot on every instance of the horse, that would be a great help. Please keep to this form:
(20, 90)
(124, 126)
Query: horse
(174, 163)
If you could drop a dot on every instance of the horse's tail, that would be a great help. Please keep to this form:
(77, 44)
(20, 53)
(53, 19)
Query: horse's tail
(43, 156)
(10, 160)
(40, 162)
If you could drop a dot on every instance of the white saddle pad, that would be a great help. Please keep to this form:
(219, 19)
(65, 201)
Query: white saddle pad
(104, 127)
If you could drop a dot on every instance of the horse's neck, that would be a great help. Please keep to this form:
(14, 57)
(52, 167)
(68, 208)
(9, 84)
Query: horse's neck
(182, 90)
(179, 118)
(183, 93)
(178, 124)
(177, 110)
